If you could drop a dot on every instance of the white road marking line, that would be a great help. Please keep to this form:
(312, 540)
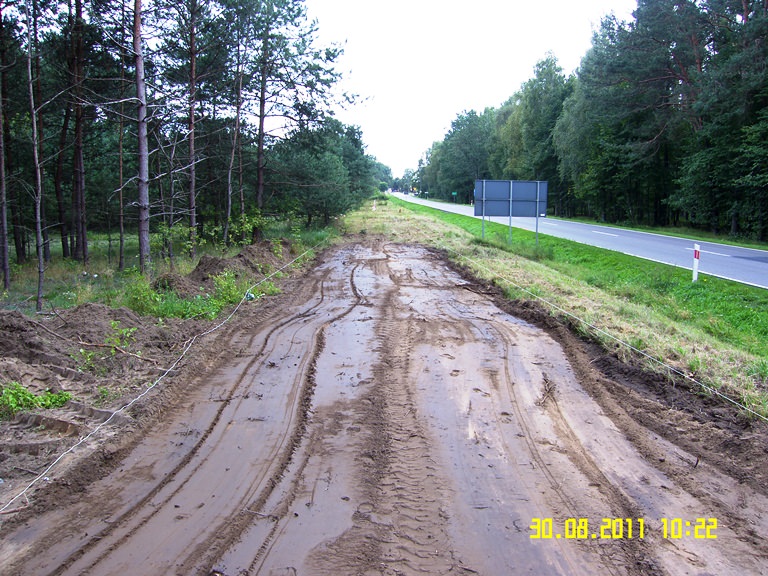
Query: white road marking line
(605, 233)
(713, 253)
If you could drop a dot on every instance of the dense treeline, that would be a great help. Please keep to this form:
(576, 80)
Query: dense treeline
(665, 123)
(188, 118)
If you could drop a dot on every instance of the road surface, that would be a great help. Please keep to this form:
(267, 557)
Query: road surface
(745, 265)
(388, 418)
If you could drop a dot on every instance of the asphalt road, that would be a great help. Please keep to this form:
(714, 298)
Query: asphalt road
(745, 265)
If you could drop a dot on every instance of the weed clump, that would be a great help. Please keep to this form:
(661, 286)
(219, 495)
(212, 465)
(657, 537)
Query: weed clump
(16, 398)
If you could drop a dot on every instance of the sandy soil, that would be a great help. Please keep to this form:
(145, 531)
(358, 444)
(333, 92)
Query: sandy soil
(386, 415)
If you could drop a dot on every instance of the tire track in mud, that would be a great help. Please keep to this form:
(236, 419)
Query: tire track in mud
(398, 527)
(474, 370)
(281, 480)
(634, 551)
(685, 482)
(325, 422)
(142, 504)
(255, 506)
(405, 524)
(212, 551)
(412, 491)
(204, 556)
(629, 468)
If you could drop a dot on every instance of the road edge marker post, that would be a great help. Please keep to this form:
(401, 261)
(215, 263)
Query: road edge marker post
(696, 256)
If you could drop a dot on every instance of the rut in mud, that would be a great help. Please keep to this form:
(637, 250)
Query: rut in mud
(389, 418)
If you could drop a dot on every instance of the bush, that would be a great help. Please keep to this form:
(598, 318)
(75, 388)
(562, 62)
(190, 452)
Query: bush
(140, 297)
(229, 289)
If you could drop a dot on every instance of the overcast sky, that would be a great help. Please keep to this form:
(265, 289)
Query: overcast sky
(417, 64)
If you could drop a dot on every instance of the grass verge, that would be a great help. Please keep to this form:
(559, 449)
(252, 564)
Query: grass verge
(713, 331)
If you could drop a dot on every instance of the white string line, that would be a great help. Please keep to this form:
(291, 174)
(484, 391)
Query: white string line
(125, 407)
(615, 338)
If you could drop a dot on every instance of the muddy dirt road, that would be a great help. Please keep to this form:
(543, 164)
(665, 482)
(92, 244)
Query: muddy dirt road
(388, 418)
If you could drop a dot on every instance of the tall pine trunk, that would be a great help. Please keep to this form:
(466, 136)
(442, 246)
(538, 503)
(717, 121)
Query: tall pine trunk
(235, 140)
(4, 252)
(40, 132)
(38, 186)
(192, 152)
(260, 171)
(240, 170)
(120, 136)
(58, 183)
(78, 164)
(142, 143)
(121, 209)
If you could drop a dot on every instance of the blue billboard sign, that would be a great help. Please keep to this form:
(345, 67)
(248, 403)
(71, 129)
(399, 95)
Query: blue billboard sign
(525, 198)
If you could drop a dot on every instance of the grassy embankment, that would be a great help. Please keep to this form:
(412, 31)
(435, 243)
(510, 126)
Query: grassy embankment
(68, 283)
(714, 330)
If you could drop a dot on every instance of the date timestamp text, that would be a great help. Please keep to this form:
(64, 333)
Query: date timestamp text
(621, 529)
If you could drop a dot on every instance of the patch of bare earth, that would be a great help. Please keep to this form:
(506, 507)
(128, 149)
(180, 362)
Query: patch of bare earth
(384, 415)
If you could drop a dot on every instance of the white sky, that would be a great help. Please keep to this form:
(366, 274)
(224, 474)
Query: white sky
(419, 63)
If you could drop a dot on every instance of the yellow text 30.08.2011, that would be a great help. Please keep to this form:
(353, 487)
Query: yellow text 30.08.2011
(620, 528)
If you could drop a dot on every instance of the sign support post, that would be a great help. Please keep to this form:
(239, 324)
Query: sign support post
(483, 232)
(538, 183)
(511, 194)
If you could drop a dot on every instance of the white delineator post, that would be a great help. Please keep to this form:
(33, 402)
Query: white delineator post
(696, 255)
